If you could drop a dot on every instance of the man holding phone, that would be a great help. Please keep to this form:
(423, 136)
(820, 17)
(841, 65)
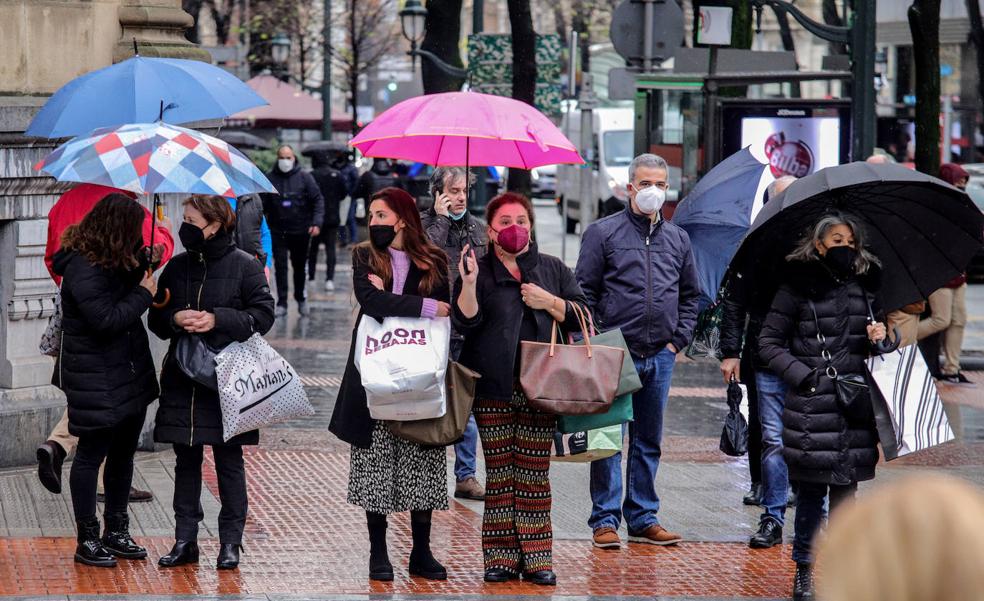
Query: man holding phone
(449, 225)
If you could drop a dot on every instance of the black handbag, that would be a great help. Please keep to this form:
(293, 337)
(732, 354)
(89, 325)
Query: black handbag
(734, 436)
(197, 360)
(849, 389)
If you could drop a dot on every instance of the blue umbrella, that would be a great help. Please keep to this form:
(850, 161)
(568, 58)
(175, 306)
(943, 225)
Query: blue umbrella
(717, 214)
(142, 90)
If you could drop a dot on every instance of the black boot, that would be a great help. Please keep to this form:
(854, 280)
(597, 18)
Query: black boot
(228, 556)
(754, 494)
(116, 537)
(50, 455)
(769, 535)
(90, 549)
(380, 567)
(803, 582)
(422, 562)
(181, 553)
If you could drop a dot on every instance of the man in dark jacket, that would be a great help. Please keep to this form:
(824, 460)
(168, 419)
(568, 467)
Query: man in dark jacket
(766, 390)
(294, 215)
(449, 225)
(379, 176)
(331, 182)
(638, 274)
(342, 161)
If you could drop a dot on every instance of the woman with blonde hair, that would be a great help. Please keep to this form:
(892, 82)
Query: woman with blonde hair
(918, 539)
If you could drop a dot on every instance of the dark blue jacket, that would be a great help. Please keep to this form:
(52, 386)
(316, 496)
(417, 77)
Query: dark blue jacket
(642, 281)
(298, 204)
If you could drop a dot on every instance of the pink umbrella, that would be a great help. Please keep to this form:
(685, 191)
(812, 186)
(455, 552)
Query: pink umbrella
(466, 128)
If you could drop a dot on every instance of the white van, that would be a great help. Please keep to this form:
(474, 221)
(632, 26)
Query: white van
(613, 150)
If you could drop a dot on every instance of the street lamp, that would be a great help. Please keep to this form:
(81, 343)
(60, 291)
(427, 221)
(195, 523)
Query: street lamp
(280, 49)
(413, 19)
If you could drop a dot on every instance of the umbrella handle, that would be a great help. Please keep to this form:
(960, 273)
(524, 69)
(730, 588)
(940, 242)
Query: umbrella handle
(886, 345)
(163, 303)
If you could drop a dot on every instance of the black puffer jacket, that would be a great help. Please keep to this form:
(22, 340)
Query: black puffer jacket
(820, 442)
(230, 284)
(105, 367)
(249, 227)
(492, 334)
(298, 204)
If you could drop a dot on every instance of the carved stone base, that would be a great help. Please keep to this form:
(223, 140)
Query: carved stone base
(158, 26)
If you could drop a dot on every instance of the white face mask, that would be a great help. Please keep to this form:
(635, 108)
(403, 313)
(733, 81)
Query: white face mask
(651, 199)
(285, 165)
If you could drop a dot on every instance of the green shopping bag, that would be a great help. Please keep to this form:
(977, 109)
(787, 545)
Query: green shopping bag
(619, 413)
(583, 447)
(628, 379)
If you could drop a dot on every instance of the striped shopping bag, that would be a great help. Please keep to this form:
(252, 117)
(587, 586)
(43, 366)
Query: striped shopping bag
(908, 409)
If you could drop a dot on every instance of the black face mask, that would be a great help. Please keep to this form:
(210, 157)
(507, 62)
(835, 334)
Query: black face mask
(192, 236)
(381, 236)
(841, 259)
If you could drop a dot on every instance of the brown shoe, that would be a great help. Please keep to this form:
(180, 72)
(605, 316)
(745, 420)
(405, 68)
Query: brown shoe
(606, 538)
(655, 535)
(469, 488)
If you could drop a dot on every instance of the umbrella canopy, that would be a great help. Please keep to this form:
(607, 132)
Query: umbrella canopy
(135, 91)
(466, 128)
(717, 214)
(242, 139)
(923, 230)
(148, 158)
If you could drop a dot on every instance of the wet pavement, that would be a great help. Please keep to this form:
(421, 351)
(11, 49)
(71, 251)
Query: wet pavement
(303, 541)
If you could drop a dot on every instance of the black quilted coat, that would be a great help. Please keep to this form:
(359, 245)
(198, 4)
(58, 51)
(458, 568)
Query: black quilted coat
(231, 284)
(820, 442)
(105, 367)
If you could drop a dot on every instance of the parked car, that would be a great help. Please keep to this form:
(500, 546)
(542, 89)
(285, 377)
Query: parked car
(975, 189)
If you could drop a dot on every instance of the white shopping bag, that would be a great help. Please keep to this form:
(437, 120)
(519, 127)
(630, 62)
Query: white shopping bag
(908, 409)
(402, 362)
(343, 210)
(257, 387)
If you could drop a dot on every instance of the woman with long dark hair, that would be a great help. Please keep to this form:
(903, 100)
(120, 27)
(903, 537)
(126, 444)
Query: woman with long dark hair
(397, 273)
(105, 367)
(221, 294)
(818, 330)
(513, 293)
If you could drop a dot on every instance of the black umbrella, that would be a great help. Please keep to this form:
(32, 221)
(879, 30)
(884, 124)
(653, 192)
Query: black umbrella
(923, 230)
(325, 147)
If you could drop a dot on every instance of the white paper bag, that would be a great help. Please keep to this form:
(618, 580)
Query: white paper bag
(915, 417)
(257, 387)
(402, 362)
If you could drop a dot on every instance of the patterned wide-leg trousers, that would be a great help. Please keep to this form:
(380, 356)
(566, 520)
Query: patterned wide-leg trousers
(516, 531)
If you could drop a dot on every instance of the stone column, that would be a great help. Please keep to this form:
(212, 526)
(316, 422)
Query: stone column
(158, 27)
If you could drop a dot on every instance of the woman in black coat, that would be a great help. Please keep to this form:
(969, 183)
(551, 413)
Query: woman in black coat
(398, 273)
(824, 304)
(220, 293)
(512, 294)
(105, 367)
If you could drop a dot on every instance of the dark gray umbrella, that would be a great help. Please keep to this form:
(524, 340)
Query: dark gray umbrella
(325, 147)
(242, 139)
(923, 230)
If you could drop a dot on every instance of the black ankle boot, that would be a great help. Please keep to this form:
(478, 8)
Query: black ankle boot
(116, 538)
(182, 552)
(90, 549)
(228, 556)
(803, 582)
(380, 567)
(422, 562)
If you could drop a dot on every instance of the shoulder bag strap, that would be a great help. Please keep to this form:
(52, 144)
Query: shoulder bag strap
(824, 351)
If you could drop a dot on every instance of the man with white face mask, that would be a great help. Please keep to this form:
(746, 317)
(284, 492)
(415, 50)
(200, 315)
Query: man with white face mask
(638, 274)
(294, 215)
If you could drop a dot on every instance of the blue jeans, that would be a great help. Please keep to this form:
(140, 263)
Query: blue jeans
(771, 391)
(464, 452)
(645, 436)
(810, 514)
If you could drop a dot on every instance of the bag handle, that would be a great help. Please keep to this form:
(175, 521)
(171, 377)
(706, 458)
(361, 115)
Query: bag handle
(555, 328)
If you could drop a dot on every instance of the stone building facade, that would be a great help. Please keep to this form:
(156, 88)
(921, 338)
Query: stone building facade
(46, 43)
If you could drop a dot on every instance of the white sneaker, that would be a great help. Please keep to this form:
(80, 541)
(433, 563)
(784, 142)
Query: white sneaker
(329, 286)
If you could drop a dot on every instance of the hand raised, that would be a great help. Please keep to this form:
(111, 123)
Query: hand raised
(468, 266)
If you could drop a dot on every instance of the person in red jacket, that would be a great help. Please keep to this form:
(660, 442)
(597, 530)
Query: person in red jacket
(75, 204)
(71, 207)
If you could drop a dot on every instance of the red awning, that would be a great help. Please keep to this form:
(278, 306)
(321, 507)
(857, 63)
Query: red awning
(290, 107)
